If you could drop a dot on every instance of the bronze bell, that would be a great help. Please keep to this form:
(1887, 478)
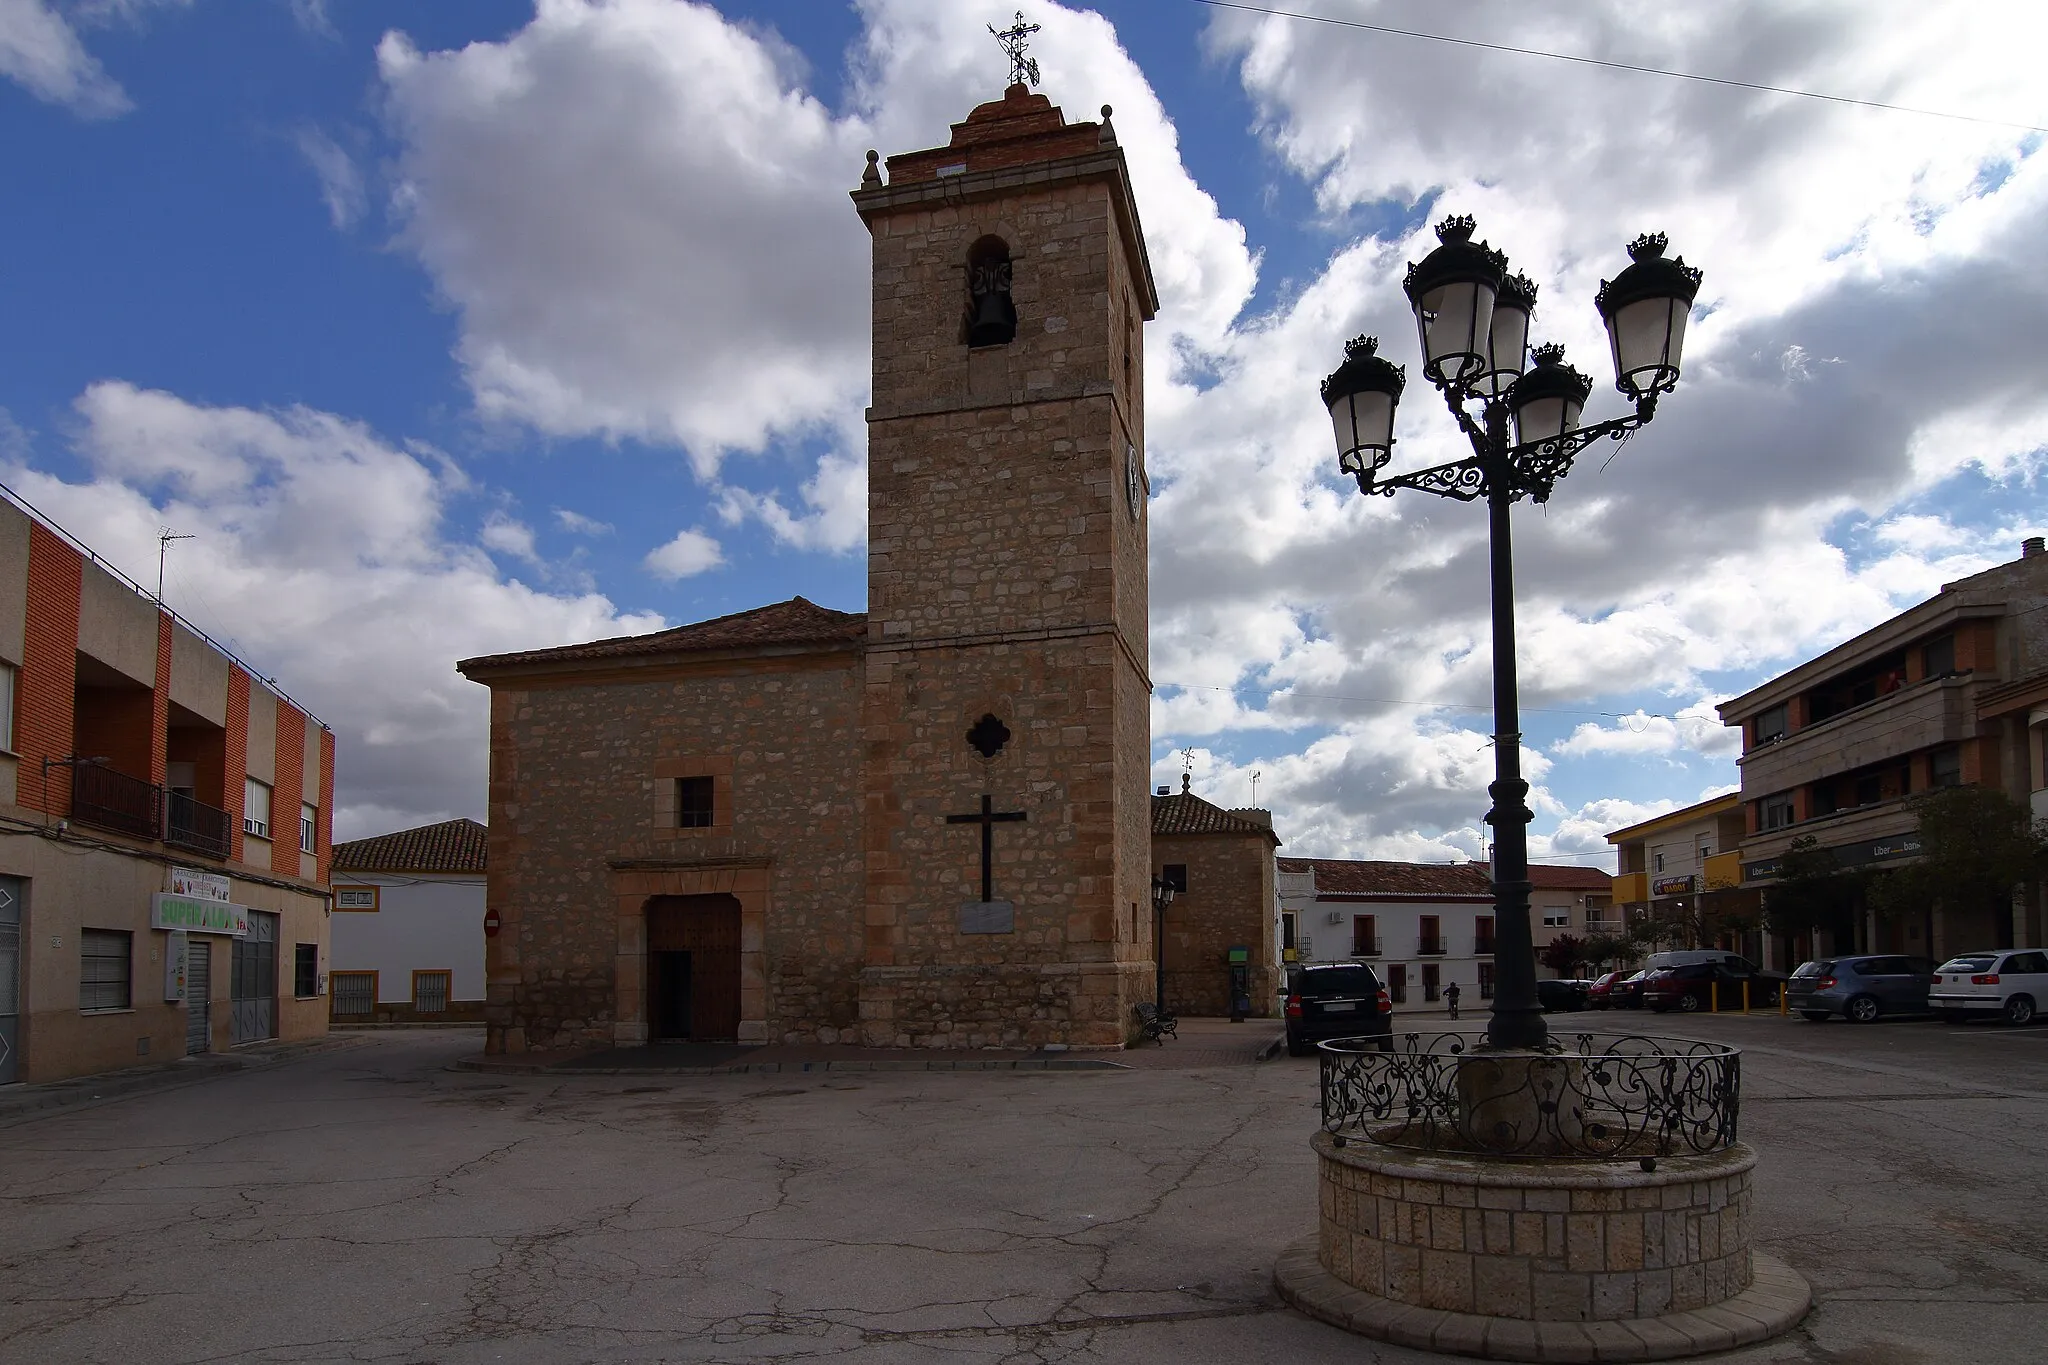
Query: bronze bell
(995, 319)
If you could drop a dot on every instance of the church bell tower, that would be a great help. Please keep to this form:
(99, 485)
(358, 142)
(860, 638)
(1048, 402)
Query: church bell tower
(1006, 736)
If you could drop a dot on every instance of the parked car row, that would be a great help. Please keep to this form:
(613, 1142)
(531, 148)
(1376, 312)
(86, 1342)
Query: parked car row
(1687, 979)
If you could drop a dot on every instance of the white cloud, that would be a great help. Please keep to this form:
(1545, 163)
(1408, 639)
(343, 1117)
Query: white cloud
(319, 554)
(577, 524)
(41, 52)
(341, 183)
(837, 496)
(509, 536)
(688, 554)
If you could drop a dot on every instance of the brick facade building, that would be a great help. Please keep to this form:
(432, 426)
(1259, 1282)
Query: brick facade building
(1221, 863)
(165, 826)
(924, 825)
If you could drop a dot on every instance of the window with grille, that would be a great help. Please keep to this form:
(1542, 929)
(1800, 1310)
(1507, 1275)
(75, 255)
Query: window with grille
(255, 808)
(1430, 980)
(353, 992)
(305, 970)
(429, 992)
(103, 969)
(1486, 981)
(694, 809)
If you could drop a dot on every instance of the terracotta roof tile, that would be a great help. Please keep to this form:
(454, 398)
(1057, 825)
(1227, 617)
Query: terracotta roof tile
(1190, 814)
(795, 622)
(451, 846)
(1347, 877)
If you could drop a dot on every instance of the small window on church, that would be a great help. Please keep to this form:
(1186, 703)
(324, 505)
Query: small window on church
(991, 317)
(693, 802)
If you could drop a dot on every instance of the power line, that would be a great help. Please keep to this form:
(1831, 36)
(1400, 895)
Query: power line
(1457, 705)
(1617, 66)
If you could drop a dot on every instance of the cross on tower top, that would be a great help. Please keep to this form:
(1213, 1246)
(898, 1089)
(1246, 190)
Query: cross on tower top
(1022, 68)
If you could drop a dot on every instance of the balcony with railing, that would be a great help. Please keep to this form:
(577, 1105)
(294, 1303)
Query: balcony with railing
(1482, 945)
(111, 799)
(1430, 946)
(1365, 945)
(194, 825)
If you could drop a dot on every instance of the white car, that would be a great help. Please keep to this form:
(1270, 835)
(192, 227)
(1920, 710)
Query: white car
(2012, 982)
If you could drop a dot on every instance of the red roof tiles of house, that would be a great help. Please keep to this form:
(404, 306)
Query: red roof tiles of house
(1346, 877)
(451, 846)
(798, 621)
(1190, 814)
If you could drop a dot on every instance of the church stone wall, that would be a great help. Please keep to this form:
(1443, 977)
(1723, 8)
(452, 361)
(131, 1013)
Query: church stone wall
(580, 773)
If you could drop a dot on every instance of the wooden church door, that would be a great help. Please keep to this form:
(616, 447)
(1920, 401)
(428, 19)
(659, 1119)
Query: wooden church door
(693, 968)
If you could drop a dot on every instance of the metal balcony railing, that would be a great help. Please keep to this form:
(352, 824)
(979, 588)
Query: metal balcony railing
(193, 824)
(1482, 945)
(1430, 947)
(1365, 947)
(113, 800)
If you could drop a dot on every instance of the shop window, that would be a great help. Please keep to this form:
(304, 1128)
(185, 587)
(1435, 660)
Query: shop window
(103, 969)
(306, 970)
(694, 803)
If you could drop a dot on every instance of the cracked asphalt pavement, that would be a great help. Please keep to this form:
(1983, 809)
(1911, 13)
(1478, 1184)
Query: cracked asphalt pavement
(369, 1204)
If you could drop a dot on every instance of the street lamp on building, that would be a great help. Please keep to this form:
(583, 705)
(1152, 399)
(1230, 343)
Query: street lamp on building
(1473, 320)
(1162, 896)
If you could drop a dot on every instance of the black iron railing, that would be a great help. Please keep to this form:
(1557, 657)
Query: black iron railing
(1430, 947)
(1587, 1096)
(113, 800)
(193, 824)
(1365, 947)
(1482, 945)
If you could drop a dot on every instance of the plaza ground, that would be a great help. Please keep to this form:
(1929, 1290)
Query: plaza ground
(369, 1203)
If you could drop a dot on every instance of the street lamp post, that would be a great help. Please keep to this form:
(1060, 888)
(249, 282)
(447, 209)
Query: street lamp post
(1162, 896)
(1473, 320)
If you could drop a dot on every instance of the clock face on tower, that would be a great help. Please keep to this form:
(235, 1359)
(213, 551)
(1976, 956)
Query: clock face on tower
(1134, 483)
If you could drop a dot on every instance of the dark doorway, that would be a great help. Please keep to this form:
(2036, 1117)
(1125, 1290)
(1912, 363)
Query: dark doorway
(693, 968)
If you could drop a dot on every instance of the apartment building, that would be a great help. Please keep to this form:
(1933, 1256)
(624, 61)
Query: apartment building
(164, 827)
(1568, 900)
(1685, 867)
(1952, 691)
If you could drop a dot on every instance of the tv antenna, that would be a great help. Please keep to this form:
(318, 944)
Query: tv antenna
(164, 536)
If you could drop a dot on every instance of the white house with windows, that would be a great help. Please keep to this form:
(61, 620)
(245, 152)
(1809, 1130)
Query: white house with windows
(408, 927)
(1421, 925)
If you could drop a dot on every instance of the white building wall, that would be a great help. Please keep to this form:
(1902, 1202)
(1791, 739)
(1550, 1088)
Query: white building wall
(1399, 926)
(424, 922)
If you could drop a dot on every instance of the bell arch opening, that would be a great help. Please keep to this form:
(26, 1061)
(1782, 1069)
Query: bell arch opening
(991, 316)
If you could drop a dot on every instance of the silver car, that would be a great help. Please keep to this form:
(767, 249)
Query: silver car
(2008, 982)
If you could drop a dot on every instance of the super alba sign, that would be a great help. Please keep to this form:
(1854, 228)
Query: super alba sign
(193, 915)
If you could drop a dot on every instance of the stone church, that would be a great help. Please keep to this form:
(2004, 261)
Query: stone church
(925, 825)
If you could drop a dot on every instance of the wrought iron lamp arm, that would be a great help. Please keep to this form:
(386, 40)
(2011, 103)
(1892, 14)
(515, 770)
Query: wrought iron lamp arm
(1531, 470)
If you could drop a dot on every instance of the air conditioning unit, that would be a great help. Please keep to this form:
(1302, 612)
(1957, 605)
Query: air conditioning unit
(1336, 917)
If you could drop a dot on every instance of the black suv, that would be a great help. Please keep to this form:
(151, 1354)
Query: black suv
(1336, 1000)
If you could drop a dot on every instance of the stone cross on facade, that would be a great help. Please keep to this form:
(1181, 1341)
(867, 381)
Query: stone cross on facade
(988, 817)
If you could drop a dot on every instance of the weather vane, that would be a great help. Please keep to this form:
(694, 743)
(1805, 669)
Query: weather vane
(1023, 69)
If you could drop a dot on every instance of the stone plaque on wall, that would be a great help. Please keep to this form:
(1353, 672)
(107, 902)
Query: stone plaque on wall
(987, 917)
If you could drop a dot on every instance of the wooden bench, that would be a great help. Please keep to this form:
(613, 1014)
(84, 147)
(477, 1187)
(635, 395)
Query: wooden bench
(1156, 1026)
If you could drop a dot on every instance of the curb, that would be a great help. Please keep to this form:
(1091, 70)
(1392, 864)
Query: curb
(785, 1068)
(1777, 1298)
(40, 1101)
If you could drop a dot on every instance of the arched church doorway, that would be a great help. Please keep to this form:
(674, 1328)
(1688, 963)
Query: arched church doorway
(693, 968)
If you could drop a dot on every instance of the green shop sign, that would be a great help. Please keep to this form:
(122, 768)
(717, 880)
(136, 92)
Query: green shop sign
(192, 915)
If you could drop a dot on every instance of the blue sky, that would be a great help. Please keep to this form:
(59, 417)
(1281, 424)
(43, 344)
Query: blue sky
(455, 328)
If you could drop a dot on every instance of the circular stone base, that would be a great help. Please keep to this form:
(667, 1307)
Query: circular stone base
(1777, 1298)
